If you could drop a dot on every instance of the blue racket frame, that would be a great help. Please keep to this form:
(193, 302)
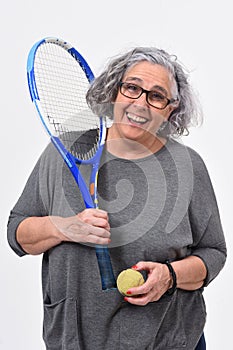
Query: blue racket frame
(90, 199)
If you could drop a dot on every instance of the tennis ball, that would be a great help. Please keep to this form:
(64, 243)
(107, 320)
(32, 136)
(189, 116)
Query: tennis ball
(127, 279)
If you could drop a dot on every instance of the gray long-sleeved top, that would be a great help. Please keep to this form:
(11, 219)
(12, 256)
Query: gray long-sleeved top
(161, 207)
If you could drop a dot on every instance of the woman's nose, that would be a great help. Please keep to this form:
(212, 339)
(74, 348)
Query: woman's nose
(142, 100)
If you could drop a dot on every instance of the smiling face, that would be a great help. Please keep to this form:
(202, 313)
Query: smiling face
(135, 119)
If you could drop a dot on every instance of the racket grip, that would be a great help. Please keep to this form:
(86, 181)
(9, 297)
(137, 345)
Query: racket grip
(105, 267)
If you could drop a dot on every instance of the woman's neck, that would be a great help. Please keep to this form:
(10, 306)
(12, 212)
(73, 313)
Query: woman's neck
(133, 149)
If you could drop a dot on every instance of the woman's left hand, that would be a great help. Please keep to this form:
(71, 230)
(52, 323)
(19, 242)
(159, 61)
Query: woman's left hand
(157, 283)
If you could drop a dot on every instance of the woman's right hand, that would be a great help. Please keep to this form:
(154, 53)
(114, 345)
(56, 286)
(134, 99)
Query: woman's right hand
(89, 226)
(38, 234)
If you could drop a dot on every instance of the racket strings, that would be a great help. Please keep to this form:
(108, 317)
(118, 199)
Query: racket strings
(86, 145)
(62, 86)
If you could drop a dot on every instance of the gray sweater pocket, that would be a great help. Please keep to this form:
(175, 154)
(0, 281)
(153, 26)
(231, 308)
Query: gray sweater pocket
(60, 325)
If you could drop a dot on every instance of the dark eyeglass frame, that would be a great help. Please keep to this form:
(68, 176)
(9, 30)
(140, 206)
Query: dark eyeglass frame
(147, 92)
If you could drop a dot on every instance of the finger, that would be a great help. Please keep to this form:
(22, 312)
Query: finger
(97, 222)
(139, 300)
(99, 232)
(88, 234)
(145, 288)
(144, 265)
(90, 217)
(143, 299)
(97, 240)
(101, 223)
(151, 281)
(96, 212)
(101, 213)
(92, 221)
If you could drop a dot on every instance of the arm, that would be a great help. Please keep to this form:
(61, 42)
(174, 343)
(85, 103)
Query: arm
(190, 273)
(43, 217)
(207, 254)
(38, 234)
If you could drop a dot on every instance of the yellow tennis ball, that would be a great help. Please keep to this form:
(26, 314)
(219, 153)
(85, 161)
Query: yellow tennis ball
(127, 279)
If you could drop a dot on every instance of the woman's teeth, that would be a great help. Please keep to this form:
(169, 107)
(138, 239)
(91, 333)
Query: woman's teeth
(136, 118)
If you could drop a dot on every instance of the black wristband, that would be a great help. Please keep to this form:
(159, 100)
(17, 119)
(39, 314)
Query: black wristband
(171, 290)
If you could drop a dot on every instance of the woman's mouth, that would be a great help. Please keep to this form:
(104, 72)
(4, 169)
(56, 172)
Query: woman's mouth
(136, 119)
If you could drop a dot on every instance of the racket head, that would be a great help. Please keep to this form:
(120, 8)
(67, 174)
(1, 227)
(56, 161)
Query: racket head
(58, 79)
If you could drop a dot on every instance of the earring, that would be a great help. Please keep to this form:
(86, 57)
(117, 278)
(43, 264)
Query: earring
(162, 126)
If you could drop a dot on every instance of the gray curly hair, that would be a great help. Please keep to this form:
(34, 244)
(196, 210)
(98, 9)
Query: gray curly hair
(103, 90)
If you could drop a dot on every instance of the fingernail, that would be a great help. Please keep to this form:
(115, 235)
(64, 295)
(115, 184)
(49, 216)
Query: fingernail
(134, 267)
(129, 292)
(125, 298)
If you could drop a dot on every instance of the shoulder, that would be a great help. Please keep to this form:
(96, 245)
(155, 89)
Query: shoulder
(200, 169)
(49, 156)
(200, 175)
(186, 152)
(189, 162)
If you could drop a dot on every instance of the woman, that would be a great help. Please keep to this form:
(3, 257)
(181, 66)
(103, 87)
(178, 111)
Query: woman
(158, 215)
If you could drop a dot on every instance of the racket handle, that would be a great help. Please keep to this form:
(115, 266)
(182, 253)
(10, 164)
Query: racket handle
(105, 266)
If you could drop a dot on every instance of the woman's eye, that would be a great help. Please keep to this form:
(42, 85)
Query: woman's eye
(133, 88)
(156, 96)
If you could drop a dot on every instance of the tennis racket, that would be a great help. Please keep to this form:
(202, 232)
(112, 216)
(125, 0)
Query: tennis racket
(58, 79)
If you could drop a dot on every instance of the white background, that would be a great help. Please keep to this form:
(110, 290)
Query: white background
(200, 34)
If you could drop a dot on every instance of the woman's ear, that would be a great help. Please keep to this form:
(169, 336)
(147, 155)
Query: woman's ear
(172, 108)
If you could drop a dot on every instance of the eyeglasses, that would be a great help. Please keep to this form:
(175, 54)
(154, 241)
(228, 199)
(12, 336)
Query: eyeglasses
(154, 97)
